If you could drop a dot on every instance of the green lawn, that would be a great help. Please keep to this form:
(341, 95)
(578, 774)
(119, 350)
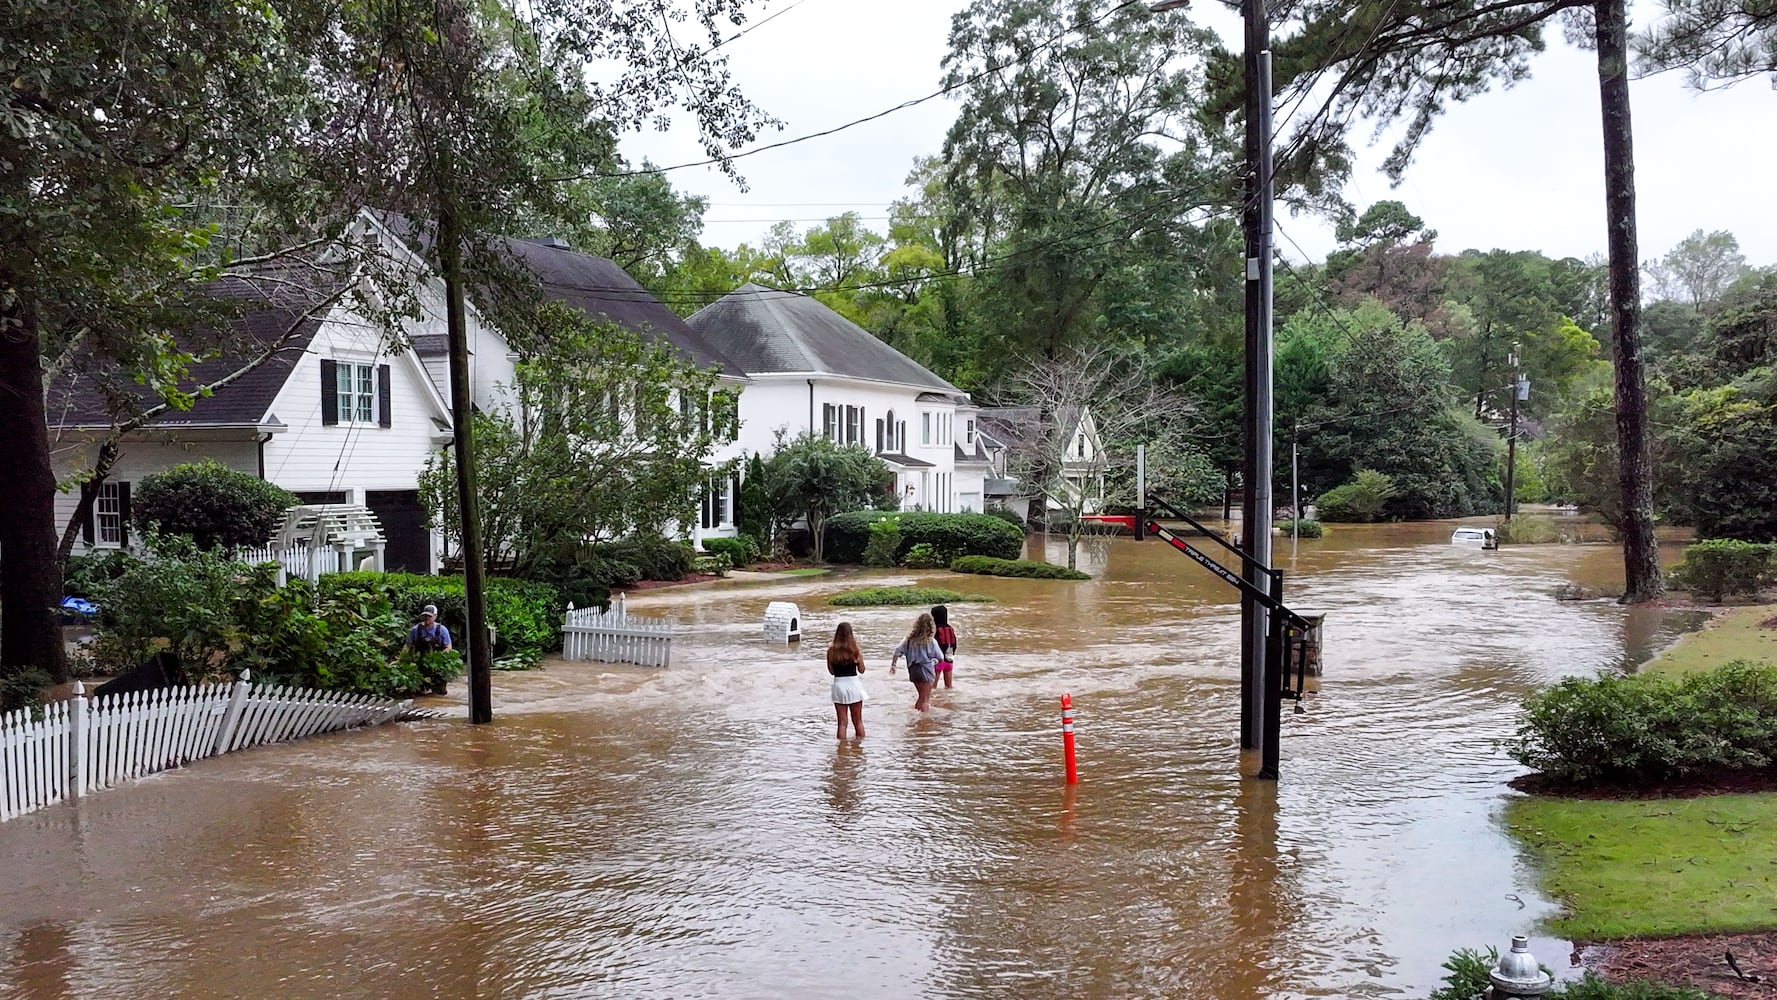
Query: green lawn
(1654, 867)
(1733, 635)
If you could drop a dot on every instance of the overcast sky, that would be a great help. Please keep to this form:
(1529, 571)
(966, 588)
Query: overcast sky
(1516, 169)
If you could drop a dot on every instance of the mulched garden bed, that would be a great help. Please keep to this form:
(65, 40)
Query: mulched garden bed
(1714, 783)
(1698, 960)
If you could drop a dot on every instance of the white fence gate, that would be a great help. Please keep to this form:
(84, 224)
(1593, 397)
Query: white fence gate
(72, 747)
(616, 636)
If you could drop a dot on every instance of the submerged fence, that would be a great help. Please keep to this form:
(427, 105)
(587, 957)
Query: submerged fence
(615, 636)
(66, 749)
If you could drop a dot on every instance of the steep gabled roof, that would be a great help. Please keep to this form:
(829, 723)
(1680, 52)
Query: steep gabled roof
(278, 317)
(769, 331)
(594, 285)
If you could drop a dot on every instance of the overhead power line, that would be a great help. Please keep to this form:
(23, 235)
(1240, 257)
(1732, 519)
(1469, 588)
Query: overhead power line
(904, 105)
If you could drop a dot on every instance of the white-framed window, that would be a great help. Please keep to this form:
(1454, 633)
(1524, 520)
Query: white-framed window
(357, 392)
(718, 499)
(969, 432)
(1080, 445)
(925, 429)
(108, 515)
(830, 421)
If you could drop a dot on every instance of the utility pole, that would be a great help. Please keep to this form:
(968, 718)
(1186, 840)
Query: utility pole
(480, 651)
(1261, 699)
(1518, 389)
(1256, 510)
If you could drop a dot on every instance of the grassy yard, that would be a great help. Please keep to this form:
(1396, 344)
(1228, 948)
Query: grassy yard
(1733, 635)
(1654, 867)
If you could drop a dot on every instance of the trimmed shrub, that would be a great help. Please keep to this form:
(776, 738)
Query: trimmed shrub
(1303, 528)
(1033, 569)
(1718, 567)
(1648, 727)
(212, 505)
(716, 563)
(885, 541)
(525, 614)
(898, 596)
(950, 535)
(741, 550)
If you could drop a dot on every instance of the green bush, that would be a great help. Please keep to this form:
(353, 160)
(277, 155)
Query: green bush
(741, 550)
(1360, 500)
(885, 596)
(212, 505)
(923, 556)
(656, 558)
(23, 689)
(1527, 529)
(1718, 567)
(85, 574)
(1303, 528)
(950, 535)
(1649, 727)
(1027, 568)
(524, 614)
(715, 564)
(885, 541)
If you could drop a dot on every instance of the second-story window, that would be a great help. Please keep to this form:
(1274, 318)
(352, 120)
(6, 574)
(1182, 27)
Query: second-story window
(925, 428)
(969, 433)
(357, 393)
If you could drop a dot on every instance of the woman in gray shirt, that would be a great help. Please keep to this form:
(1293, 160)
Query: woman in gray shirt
(922, 654)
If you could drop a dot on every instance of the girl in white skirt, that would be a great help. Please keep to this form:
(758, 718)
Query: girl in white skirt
(845, 662)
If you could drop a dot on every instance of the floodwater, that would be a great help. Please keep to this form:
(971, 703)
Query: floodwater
(697, 832)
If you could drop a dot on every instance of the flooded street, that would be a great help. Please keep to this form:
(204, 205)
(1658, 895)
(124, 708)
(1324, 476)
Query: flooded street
(696, 832)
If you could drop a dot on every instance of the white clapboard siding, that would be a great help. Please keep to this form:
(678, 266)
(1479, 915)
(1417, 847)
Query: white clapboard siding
(66, 749)
(616, 636)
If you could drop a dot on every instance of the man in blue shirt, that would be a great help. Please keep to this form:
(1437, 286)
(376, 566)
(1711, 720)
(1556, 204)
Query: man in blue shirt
(428, 636)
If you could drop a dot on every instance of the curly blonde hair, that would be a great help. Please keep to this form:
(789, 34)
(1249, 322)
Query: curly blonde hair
(922, 629)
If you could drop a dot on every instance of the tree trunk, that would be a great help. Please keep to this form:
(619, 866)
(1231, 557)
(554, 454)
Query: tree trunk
(1641, 553)
(89, 494)
(1073, 540)
(30, 578)
(481, 655)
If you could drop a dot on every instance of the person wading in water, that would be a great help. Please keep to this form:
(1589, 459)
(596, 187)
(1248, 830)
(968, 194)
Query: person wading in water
(922, 654)
(428, 636)
(845, 662)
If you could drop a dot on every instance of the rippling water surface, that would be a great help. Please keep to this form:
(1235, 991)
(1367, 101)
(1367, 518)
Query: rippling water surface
(697, 832)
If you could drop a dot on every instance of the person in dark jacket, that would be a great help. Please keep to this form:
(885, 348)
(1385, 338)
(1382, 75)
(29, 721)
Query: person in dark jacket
(946, 637)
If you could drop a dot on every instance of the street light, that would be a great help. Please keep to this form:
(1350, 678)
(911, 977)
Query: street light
(1166, 5)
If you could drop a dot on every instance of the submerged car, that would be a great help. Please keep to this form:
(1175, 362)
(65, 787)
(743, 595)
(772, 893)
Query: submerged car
(1481, 538)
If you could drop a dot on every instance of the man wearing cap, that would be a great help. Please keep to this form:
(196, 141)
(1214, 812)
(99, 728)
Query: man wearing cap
(428, 636)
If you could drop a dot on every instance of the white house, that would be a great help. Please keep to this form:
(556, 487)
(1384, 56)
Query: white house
(1022, 443)
(811, 370)
(344, 412)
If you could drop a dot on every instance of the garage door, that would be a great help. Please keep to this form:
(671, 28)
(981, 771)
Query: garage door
(408, 546)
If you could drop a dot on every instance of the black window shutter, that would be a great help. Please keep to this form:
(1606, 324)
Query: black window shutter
(385, 410)
(123, 513)
(88, 530)
(329, 392)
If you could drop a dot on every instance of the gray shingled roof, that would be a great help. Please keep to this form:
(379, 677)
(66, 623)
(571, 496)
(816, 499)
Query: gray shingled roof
(767, 331)
(906, 461)
(978, 456)
(279, 317)
(595, 286)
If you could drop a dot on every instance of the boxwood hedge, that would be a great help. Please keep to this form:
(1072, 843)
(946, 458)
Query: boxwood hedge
(951, 536)
(1027, 568)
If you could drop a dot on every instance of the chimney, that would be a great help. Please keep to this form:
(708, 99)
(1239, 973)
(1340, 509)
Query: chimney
(555, 241)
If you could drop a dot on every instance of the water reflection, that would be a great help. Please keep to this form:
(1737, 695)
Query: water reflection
(622, 832)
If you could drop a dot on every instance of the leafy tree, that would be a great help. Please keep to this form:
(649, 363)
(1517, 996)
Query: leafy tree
(1716, 42)
(607, 436)
(211, 504)
(113, 109)
(1074, 167)
(818, 478)
(1724, 468)
(1389, 408)
(1700, 268)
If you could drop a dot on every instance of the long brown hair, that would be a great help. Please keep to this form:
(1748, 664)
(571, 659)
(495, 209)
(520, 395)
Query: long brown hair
(845, 647)
(922, 629)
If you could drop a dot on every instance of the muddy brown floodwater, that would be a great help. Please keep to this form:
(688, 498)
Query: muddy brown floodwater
(696, 832)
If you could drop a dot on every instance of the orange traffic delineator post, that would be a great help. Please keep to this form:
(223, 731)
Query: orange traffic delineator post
(1067, 738)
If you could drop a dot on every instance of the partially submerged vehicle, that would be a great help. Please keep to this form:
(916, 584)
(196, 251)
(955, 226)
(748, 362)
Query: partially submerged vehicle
(1480, 538)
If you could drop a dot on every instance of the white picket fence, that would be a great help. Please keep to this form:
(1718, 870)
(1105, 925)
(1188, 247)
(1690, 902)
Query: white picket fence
(297, 561)
(68, 748)
(616, 636)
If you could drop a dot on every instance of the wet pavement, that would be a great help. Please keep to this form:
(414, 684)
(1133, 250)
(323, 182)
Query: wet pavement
(697, 832)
